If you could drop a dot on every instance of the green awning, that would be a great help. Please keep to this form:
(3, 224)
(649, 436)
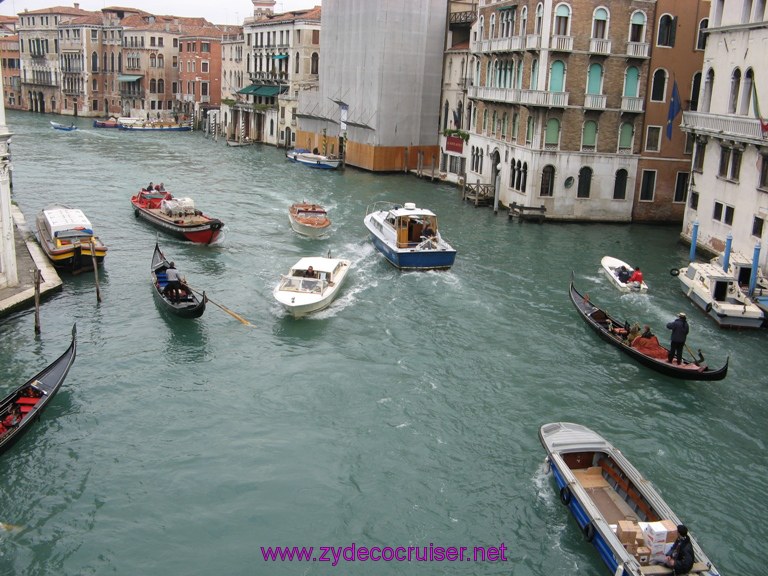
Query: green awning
(249, 89)
(128, 77)
(268, 91)
(279, 56)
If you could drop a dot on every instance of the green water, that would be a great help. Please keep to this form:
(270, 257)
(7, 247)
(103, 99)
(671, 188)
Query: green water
(405, 414)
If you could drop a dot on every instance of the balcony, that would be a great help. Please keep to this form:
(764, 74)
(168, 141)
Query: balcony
(205, 99)
(638, 49)
(631, 104)
(131, 93)
(520, 96)
(466, 17)
(72, 91)
(599, 46)
(511, 44)
(595, 101)
(533, 42)
(742, 128)
(561, 44)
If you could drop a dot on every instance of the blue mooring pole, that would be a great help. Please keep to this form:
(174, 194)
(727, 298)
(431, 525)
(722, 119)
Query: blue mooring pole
(694, 236)
(755, 264)
(727, 254)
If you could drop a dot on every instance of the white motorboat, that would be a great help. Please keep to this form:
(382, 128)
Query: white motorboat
(618, 510)
(309, 219)
(311, 284)
(313, 159)
(613, 269)
(408, 236)
(719, 295)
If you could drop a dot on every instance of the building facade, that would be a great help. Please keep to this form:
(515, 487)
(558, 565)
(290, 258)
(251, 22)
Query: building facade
(729, 187)
(10, 59)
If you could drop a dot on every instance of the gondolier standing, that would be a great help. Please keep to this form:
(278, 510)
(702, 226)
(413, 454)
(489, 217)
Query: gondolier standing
(679, 327)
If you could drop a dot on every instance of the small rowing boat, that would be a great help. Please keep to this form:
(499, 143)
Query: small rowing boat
(64, 127)
(186, 304)
(309, 219)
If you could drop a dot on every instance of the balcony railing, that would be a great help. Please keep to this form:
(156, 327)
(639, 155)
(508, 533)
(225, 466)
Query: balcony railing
(599, 46)
(730, 127)
(638, 49)
(205, 99)
(520, 96)
(562, 43)
(533, 42)
(465, 17)
(594, 101)
(631, 104)
(511, 44)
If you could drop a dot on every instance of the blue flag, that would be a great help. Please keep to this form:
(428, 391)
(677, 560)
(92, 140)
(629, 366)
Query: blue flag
(675, 107)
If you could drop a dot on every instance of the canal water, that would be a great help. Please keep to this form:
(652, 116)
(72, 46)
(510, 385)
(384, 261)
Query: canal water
(406, 414)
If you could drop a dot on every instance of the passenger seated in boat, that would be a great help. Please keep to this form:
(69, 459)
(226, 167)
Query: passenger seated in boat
(427, 232)
(150, 187)
(624, 274)
(310, 273)
(649, 345)
(634, 332)
(31, 392)
(680, 557)
(12, 418)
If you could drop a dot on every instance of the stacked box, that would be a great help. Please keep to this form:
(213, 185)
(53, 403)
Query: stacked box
(655, 534)
(671, 528)
(626, 531)
(643, 555)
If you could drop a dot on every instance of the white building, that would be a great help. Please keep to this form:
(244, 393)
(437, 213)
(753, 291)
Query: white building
(729, 188)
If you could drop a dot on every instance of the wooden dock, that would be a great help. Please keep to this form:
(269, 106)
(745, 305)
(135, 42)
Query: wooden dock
(478, 194)
(527, 213)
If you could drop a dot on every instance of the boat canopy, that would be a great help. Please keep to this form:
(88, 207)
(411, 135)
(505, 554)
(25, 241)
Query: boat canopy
(67, 222)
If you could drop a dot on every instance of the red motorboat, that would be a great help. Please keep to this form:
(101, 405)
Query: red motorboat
(176, 216)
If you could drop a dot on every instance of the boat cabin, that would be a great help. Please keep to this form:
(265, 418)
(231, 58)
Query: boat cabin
(721, 285)
(66, 225)
(412, 226)
(313, 275)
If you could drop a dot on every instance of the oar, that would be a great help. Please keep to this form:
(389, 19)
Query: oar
(227, 310)
(695, 361)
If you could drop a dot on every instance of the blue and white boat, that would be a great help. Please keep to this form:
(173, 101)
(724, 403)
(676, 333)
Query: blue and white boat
(408, 236)
(619, 512)
(64, 127)
(312, 159)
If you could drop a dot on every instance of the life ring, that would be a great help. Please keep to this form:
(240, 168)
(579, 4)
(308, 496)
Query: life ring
(589, 532)
(674, 272)
(565, 495)
(708, 309)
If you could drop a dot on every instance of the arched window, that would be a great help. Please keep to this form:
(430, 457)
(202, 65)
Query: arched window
(589, 136)
(492, 31)
(512, 173)
(534, 73)
(666, 35)
(701, 38)
(459, 115)
(708, 84)
(524, 183)
(659, 86)
(547, 187)
(735, 86)
(94, 62)
(161, 86)
(296, 63)
(112, 62)
(152, 86)
(529, 130)
(631, 82)
(445, 116)
(557, 76)
(104, 62)
(585, 182)
(552, 134)
(746, 93)
(539, 19)
(562, 20)
(504, 125)
(315, 65)
(620, 185)
(637, 27)
(695, 88)
(626, 135)
(160, 61)
(595, 79)
(518, 175)
(600, 24)
(494, 125)
(485, 121)
(523, 21)
(153, 61)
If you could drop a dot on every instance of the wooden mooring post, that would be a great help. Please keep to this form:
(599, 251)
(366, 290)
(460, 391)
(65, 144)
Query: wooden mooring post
(37, 300)
(95, 270)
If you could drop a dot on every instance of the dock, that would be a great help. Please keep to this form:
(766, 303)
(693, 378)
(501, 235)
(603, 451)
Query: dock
(527, 213)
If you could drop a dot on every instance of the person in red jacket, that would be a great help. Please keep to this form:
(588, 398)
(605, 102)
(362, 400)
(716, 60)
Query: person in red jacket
(637, 276)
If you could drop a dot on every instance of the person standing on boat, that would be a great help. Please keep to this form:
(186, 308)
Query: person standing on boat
(679, 327)
(680, 556)
(173, 288)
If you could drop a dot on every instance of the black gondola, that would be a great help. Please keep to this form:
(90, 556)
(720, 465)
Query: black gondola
(24, 405)
(188, 306)
(613, 331)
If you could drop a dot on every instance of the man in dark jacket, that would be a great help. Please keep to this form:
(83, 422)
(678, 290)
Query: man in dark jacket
(679, 328)
(680, 556)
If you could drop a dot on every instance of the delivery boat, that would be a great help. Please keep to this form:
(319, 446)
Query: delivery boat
(67, 238)
(619, 512)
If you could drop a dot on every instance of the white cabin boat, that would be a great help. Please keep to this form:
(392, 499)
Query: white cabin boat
(408, 236)
(311, 284)
(612, 267)
(313, 159)
(719, 295)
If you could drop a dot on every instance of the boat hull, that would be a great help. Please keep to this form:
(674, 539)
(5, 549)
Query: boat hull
(311, 160)
(48, 380)
(202, 230)
(76, 256)
(413, 259)
(190, 307)
(601, 323)
(309, 220)
(610, 267)
(300, 295)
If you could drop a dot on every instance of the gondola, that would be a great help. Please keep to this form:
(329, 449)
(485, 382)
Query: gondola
(188, 306)
(28, 400)
(614, 332)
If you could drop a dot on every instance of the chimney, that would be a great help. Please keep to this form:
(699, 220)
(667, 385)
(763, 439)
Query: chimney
(77, 6)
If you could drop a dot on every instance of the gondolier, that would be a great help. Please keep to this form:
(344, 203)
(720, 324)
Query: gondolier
(679, 328)
(173, 287)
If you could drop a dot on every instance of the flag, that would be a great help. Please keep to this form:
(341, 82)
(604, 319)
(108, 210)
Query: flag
(756, 108)
(674, 109)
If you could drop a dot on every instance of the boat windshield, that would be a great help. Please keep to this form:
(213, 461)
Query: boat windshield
(301, 284)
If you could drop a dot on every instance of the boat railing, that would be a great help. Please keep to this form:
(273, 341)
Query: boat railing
(380, 206)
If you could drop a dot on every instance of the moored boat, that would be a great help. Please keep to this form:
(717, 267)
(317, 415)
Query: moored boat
(309, 219)
(646, 351)
(718, 293)
(311, 284)
(156, 125)
(111, 122)
(408, 237)
(176, 216)
(67, 238)
(618, 273)
(187, 304)
(313, 159)
(64, 127)
(20, 408)
(619, 511)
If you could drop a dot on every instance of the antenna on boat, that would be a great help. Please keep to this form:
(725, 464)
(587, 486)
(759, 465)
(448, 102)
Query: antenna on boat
(329, 253)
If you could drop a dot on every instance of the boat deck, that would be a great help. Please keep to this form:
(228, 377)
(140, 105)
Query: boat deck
(611, 505)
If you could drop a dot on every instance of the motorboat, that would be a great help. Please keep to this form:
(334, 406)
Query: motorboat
(313, 159)
(64, 127)
(176, 216)
(616, 269)
(718, 293)
(311, 284)
(645, 350)
(309, 219)
(408, 237)
(110, 122)
(618, 511)
(187, 305)
(156, 125)
(67, 238)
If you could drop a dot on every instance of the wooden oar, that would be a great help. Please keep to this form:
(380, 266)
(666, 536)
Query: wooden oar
(695, 361)
(227, 310)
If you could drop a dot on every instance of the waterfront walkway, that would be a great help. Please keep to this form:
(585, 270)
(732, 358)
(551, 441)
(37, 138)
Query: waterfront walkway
(29, 256)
